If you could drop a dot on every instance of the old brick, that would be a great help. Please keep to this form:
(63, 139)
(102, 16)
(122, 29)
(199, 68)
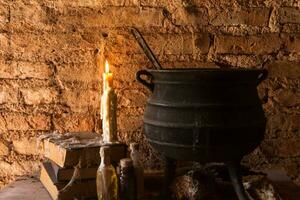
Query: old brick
(251, 16)
(190, 16)
(171, 43)
(286, 148)
(289, 15)
(26, 146)
(81, 100)
(283, 69)
(132, 98)
(117, 17)
(16, 122)
(34, 96)
(39, 122)
(69, 122)
(79, 72)
(4, 150)
(4, 42)
(263, 44)
(19, 122)
(18, 169)
(293, 43)
(202, 42)
(129, 122)
(23, 70)
(287, 97)
(2, 124)
(8, 94)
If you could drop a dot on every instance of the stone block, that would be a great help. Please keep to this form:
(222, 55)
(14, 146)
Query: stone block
(283, 69)
(79, 72)
(22, 122)
(293, 42)
(128, 122)
(81, 101)
(289, 15)
(35, 96)
(286, 148)
(4, 150)
(251, 16)
(132, 98)
(114, 16)
(26, 146)
(202, 43)
(8, 94)
(15, 122)
(71, 122)
(262, 44)
(287, 98)
(23, 70)
(39, 122)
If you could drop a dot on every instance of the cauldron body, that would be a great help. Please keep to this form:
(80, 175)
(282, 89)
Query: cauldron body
(206, 115)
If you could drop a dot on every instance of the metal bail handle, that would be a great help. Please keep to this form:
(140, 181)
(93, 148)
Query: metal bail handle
(138, 77)
(262, 76)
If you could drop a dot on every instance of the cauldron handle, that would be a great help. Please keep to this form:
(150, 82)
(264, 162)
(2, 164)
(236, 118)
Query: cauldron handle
(138, 77)
(262, 76)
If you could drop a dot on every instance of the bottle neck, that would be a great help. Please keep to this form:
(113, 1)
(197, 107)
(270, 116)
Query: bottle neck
(105, 160)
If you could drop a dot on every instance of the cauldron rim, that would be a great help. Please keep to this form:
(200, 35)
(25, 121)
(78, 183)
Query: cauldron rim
(239, 69)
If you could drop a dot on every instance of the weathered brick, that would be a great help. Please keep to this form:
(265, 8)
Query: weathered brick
(2, 124)
(23, 70)
(132, 98)
(129, 122)
(26, 146)
(79, 72)
(16, 122)
(171, 43)
(4, 150)
(287, 97)
(263, 44)
(115, 17)
(202, 43)
(19, 122)
(289, 15)
(190, 16)
(283, 69)
(4, 13)
(251, 16)
(81, 100)
(39, 122)
(34, 96)
(293, 43)
(69, 122)
(4, 42)
(18, 169)
(285, 148)
(8, 94)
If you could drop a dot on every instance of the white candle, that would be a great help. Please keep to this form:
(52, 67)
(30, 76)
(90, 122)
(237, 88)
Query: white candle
(108, 108)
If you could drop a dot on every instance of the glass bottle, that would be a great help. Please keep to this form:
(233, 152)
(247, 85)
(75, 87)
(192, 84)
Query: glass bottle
(127, 180)
(107, 180)
(138, 170)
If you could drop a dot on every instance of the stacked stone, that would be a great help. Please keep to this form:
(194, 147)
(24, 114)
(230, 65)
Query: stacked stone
(49, 80)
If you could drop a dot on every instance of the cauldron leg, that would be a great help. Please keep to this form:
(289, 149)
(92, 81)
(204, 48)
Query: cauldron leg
(236, 179)
(169, 169)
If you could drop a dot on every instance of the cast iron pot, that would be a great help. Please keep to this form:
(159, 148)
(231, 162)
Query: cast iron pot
(207, 115)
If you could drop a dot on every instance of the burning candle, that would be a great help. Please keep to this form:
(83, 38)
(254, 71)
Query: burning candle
(108, 107)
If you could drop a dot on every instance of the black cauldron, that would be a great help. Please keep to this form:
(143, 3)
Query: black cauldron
(206, 115)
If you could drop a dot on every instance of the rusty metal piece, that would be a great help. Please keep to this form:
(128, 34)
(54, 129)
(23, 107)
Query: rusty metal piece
(143, 44)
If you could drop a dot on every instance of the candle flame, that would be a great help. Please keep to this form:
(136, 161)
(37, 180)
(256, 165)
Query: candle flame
(106, 67)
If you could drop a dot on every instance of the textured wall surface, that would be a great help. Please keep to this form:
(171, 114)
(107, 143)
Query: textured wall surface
(49, 80)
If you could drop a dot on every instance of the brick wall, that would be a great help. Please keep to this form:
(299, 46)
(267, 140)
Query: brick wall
(49, 80)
